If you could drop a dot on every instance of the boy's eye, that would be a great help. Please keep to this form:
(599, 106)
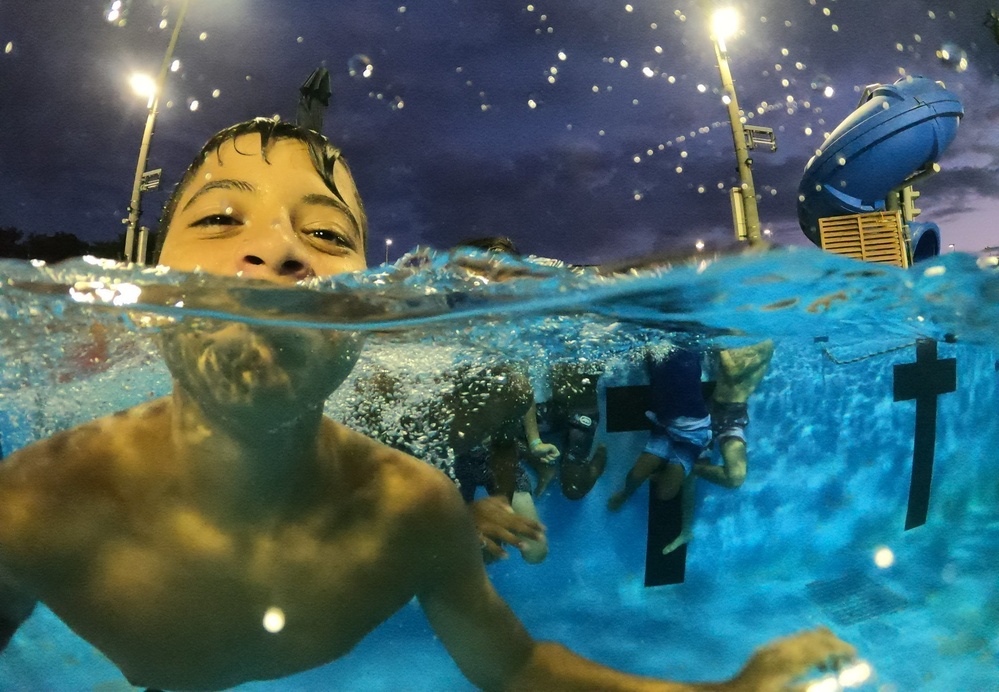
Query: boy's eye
(216, 220)
(330, 236)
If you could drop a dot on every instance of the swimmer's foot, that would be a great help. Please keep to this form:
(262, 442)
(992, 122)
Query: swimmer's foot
(616, 501)
(682, 539)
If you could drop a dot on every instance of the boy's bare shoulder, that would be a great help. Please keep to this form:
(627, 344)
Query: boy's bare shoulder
(56, 488)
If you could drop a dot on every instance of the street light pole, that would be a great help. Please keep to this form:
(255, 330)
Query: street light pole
(388, 244)
(135, 239)
(747, 191)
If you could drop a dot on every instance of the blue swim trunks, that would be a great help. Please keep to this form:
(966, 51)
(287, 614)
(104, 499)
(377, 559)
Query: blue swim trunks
(680, 440)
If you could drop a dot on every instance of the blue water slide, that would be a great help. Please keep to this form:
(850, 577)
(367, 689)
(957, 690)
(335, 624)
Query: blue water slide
(897, 132)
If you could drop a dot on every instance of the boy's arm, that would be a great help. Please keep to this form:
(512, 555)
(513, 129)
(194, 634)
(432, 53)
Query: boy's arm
(494, 651)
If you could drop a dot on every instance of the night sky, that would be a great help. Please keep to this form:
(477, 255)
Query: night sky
(587, 130)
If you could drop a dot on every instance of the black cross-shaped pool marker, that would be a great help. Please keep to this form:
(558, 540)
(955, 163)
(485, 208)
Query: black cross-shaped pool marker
(626, 407)
(924, 381)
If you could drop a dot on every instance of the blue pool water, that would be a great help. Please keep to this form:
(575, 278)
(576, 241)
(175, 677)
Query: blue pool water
(830, 458)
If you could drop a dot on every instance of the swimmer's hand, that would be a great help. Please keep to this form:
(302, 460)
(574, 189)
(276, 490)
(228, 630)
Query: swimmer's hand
(774, 667)
(498, 525)
(544, 452)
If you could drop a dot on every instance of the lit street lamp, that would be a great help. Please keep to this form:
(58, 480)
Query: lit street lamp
(724, 24)
(388, 244)
(135, 238)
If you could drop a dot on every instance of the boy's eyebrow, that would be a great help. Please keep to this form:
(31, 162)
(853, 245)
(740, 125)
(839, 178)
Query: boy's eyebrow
(223, 184)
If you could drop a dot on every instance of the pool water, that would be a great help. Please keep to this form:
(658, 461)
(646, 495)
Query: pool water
(814, 536)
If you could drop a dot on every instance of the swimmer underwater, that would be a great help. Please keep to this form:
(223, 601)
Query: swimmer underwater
(164, 533)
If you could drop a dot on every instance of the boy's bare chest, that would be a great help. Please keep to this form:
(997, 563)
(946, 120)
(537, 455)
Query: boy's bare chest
(235, 607)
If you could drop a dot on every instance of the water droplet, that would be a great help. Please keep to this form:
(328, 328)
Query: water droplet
(953, 56)
(274, 620)
(820, 82)
(359, 66)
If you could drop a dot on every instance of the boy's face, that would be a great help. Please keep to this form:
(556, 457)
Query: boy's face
(274, 220)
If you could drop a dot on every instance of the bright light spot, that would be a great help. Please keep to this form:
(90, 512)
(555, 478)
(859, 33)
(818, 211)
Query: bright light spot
(623, 63)
(532, 104)
(530, 8)
(726, 99)
(784, 52)
(826, 11)
(702, 88)
(679, 169)
(595, 89)
(194, 105)
(561, 55)
(725, 23)
(402, 9)
(855, 675)
(637, 196)
(648, 72)
(551, 79)
(142, 84)
(699, 245)
(826, 684)
(884, 557)
(683, 154)
(175, 65)
(113, 16)
(671, 79)
(274, 620)
(163, 24)
(808, 131)
(203, 36)
(629, 8)
(937, 270)
(388, 242)
(828, 92)
(216, 93)
(659, 50)
(637, 158)
(300, 39)
(9, 47)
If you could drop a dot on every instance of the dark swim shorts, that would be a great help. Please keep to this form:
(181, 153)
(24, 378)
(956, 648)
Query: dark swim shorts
(729, 420)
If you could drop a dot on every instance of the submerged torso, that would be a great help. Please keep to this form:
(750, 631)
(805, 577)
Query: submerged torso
(111, 545)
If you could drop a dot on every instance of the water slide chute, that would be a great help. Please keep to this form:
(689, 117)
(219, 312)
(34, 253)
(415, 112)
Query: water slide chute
(894, 137)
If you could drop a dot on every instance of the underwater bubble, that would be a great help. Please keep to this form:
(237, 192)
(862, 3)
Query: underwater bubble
(359, 66)
(953, 56)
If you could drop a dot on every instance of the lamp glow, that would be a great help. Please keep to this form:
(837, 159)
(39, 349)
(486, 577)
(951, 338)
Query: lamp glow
(724, 23)
(142, 84)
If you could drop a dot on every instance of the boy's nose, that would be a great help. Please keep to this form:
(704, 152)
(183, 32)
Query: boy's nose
(277, 255)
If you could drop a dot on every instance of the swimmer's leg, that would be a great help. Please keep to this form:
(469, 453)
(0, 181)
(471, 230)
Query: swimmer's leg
(579, 479)
(645, 466)
(686, 516)
(533, 551)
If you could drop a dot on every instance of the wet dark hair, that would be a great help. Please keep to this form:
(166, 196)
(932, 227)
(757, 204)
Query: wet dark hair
(322, 152)
(491, 243)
